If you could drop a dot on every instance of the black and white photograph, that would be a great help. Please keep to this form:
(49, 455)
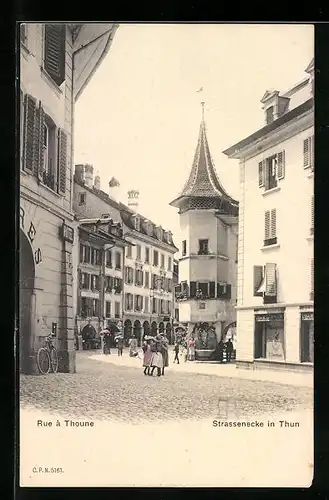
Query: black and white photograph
(166, 263)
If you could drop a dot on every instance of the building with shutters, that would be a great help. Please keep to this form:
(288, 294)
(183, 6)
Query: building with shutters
(276, 225)
(97, 277)
(56, 63)
(147, 263)
(207, 264)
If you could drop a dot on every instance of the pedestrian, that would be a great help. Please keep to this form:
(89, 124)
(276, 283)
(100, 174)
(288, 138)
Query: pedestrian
(147, 358)
(157, 360)
(229, 350)
(106, 342)
(176, 351)
(220, 349)
(191, 349)
(164, 352)
(120, 345)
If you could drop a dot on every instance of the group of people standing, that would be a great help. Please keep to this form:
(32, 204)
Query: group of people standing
(155, 355)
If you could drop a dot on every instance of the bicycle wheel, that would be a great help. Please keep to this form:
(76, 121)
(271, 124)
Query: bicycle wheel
(54, 359)
(43, 361)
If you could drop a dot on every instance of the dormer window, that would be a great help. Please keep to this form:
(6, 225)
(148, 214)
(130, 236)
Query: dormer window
(269, 115)
(137, 223)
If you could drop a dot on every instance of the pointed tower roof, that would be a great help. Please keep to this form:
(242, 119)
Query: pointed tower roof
(203, 185)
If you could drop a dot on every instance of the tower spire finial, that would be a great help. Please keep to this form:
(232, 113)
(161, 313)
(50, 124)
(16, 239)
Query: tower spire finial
(202, 104)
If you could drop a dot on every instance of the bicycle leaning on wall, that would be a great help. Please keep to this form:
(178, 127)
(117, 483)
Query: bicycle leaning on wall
(47, 357)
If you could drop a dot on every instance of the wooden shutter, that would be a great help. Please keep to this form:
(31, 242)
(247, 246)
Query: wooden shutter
(261, 173)
(270, 279)
(192, 289)
(312, 214)
(81, 252)
(54, 54)
(258, 278)
(307, 153)
(212, 289)
(38, 142)
(312, 152)
(30, 109)
(273, 223)
(267, 225)
(281, 164)
(62, 160)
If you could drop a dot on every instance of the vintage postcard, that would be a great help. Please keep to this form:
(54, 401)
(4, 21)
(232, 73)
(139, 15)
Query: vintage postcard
(166, 330)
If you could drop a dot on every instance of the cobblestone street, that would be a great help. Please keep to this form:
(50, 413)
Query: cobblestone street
(123, 393)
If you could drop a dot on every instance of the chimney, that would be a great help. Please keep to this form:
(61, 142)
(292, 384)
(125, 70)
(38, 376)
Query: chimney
(114, 189)
(89, 169)
(97, 182)
(133, 200)
(79, 172)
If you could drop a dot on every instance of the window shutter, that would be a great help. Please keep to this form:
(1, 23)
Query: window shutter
(267, 225)
(212, 289)
(81, 253)
(261, 173)
(62, 160)
(312, 214)
(270, 279)
(273, 223)
(307, 153)
(258, 278)
(38, 142)
(30, 109)
(281, 164)
(192, 289)
(54, 54)
(312, 152)
(228, 291)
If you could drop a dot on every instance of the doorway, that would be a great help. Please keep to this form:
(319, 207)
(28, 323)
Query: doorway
(26, 288)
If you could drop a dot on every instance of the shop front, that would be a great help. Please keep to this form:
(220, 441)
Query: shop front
(307, 337)
(269, 337)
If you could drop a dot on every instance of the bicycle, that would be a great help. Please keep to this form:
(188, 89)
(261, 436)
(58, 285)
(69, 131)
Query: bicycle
(47, 357)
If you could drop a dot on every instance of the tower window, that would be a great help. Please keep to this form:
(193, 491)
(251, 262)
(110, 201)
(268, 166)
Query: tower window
(203, 247)
(184, 247)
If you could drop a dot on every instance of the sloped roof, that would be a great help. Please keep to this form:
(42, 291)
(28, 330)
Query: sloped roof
(203, 181)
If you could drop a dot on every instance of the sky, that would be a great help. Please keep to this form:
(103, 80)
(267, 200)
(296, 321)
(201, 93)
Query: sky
(138, 119)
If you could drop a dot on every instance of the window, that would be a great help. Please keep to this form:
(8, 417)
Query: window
(95, 256)
(147, 279)
(169, 263)
(108, 284)
(108, 310)
(146, 304)
(117, 285)
(269, 337)
(129, 301)
(271, 170)
(269, 115)
(138, 277)
(224, 291)
(108, 261)
(85, 281)
(162, 261)
(129, 252)
(308, 152)
(84, 309)
(154, 305)
(170, 285)
(117, 309)
(137, 223)
(95, 282)
(169, 306)
(312, 215)
(147, 255)
(95, 308)
(265, 282)
(307, 338)
(155, 258)
(138, 252)
(54, 52)
(203, 247)
(129, 275)
(82, 198)
(48, 154)
(138, 302)
(117, 260)
(184, 247)
(270, 228)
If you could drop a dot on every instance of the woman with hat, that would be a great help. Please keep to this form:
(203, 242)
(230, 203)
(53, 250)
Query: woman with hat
(157, 360)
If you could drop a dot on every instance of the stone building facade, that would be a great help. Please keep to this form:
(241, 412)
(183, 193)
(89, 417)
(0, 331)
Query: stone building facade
(276, 224)
(56, 63)
(207, 262)
(147, 263)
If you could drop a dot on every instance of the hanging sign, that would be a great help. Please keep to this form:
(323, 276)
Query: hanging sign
(267, 318)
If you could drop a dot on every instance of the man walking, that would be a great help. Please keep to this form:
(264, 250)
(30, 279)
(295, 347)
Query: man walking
(120, 345)
(176, 351)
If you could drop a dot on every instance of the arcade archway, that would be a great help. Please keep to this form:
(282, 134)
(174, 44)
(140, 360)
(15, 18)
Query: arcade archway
(89, 335)
(146, 328)
(26, 287)
(161, 327)
(138, 331)
(154, 328)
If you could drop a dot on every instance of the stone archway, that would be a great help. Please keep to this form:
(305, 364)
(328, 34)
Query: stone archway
(138, 331)
(161, 327)
(127, 327)
(154, 328)
(26, 288)
(146, 328)
(227, 328)
(89, 335)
